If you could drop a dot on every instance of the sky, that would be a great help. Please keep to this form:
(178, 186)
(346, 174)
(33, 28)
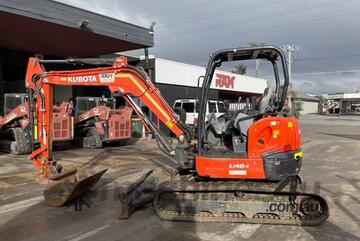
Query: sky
(326, 32)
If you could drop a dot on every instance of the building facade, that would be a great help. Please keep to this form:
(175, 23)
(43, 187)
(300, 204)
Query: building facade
(344, 103)
(52, 30)
(180, 80)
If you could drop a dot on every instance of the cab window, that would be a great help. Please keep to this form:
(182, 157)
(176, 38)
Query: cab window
(83, 105)
(11, 102)
(91, 104)
(221, 107)
(197, 107)
(177, 104)
(108, 103)
(188, 107)
(212, 107)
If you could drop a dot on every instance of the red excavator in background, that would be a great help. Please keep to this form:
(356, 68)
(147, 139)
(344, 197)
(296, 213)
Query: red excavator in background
(98, 121)
(14, 126)
(232, 173)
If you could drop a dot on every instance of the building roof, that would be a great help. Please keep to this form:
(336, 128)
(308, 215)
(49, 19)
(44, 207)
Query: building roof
(339, 96)
(53, 28)
(306, 97)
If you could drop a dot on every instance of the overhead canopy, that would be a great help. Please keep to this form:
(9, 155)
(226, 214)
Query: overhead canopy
(53, 28)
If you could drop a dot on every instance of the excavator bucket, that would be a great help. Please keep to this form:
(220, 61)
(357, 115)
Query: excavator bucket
(70, 184)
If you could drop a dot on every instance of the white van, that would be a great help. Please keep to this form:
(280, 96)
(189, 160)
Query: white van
(191, 108)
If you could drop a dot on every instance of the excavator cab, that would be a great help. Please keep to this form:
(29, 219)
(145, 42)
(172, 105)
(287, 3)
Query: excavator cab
(256, 135)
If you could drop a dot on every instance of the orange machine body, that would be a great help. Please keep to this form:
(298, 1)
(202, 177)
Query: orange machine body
(118, 121)
(63, 124)
(265, 136)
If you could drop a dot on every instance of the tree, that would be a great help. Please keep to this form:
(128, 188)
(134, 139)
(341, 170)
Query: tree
(296, 106)
(240, 69)
(322, 103)
(257, 62)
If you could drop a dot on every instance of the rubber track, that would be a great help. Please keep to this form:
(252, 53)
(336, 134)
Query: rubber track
(217, 190)
(92, 139)
(20, 145)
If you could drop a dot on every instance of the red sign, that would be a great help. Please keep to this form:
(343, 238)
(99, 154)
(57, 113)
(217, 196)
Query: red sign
(224, 81)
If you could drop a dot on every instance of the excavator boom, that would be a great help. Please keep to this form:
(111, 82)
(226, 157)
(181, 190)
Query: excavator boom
(126, 80)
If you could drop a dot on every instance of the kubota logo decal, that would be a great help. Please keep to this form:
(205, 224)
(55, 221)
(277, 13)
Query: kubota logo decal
(224, 81)
(81, 79)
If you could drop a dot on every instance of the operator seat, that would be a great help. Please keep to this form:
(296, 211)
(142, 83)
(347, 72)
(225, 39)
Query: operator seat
(243, 121)
(264, 101)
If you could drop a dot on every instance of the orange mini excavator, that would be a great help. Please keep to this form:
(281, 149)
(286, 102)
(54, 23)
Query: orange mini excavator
(98, 121)
(14, 126)
(232, 173)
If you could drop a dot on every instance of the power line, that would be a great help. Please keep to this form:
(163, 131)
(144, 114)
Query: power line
(202, 29)
(221, 13)
(329, 72)
(180, 9)
(327, 57)
(264, 29)
(295, 66)
(323, 72)
(253, 19)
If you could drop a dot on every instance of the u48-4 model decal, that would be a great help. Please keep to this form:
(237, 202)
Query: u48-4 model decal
(238, 166)
(238, 169)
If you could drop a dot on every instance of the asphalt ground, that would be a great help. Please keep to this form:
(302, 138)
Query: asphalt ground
(331, 162)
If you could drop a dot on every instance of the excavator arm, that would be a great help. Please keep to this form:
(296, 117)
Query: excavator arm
(126, 80)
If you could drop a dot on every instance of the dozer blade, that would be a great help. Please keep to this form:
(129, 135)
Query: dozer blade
(70, 184)
(137, 194)
(141, 190)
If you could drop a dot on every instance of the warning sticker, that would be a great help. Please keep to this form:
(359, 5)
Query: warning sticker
(237, 172)
(107, 77)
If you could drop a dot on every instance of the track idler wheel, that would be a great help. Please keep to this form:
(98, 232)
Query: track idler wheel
(310, 207)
